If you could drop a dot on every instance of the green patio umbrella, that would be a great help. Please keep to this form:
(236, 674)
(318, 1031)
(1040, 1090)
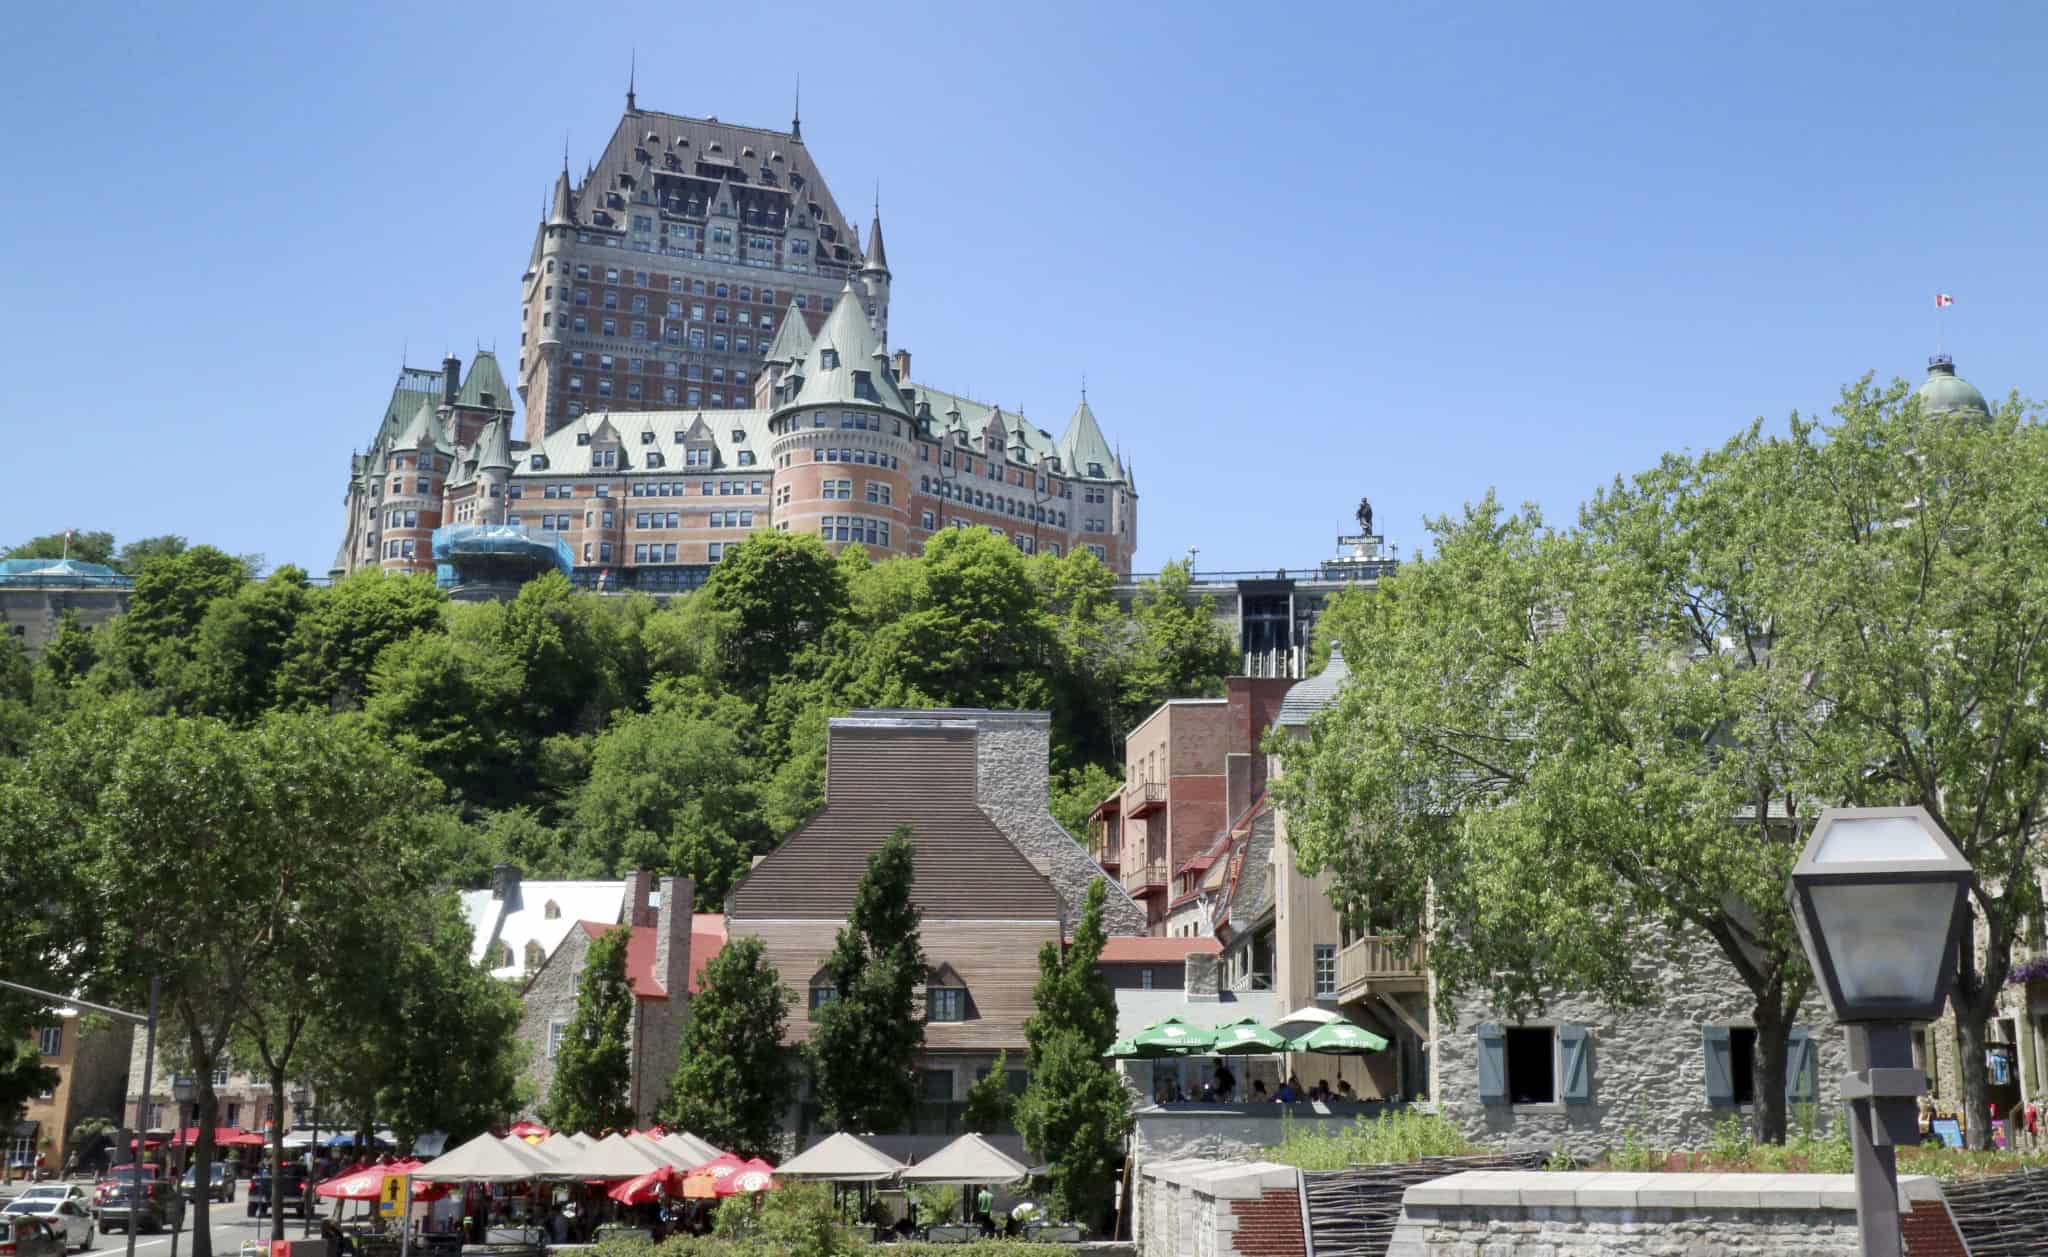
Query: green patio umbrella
(1173, 1037)
(1247, 1038)
(1339, 1038)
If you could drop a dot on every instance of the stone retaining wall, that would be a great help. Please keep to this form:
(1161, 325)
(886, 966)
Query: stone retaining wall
(1205, 1208)
(1647, 1215)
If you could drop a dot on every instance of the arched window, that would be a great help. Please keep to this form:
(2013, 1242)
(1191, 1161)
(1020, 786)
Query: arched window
(553, 911)
(534, 956)
(823, 991)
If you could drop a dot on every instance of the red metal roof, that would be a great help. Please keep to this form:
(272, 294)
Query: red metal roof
(707, 939)
(1136, 951)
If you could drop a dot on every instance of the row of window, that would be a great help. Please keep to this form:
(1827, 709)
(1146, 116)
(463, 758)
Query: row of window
(992, 501)
(671, 369)
(1549, 1064)
(673, 283)
(672, 334)
(874, 532)
(842, 491)
(941, 1003)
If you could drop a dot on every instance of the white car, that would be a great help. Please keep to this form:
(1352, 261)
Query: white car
(56, 1191)
(69, 1218)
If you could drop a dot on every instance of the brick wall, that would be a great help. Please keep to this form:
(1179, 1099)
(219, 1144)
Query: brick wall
(1269, 1226)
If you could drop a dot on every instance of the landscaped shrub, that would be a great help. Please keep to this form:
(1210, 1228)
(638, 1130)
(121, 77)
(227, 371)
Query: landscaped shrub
(1398, 1135)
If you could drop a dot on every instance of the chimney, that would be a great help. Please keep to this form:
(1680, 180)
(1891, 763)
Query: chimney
(451, 379)
(672, 936)
(504, 881)
(902, 365)
(638, 908)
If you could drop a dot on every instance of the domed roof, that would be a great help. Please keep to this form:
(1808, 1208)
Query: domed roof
(1945, 392)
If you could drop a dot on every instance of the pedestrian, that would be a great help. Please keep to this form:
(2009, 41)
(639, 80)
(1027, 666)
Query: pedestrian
(984, 1203)
(1225, 1083)
(1344, 1091)
(1259, 1095)
(1286, 1094)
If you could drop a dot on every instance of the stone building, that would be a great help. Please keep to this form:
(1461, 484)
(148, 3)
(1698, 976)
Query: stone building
(91, 1060)
(35, 594)
(665, 952)
(701, 322)
(996, 878)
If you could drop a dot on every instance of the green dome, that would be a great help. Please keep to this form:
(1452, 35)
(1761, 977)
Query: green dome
(1945, 392)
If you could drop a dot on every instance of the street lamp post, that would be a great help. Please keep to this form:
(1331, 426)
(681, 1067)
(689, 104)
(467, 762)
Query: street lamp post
(184, 1090)
(1877, 897)
(67, 1006)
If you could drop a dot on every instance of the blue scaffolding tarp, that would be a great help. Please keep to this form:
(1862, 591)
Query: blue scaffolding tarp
(470, 552)
(68, 572)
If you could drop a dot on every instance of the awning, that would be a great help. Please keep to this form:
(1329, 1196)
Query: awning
(841, 1159)
(968, 1159)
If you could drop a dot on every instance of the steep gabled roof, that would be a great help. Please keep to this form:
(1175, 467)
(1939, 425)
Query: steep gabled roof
(848, 335)
(424, 428)
(1083, 443)
(792, 339)
(494, 446)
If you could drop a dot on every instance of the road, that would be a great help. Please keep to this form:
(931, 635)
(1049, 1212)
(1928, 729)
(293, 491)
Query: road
(230, 1224)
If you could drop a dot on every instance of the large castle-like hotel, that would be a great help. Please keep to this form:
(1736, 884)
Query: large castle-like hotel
(705, 352)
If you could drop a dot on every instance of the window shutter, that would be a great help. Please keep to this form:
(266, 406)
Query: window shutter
(1720, 1065)
(1493, 1065)
(1575, 1068)
(1801, 1084)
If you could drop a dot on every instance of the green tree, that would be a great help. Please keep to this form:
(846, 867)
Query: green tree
(172, 595)
(241, 645)
(776, 592)
(565, 645)
(1075, 1113)
(593, 1069)
(1075, 794)
(733, 1076)
(85, 546)
(1178, 650)
(344, 630)
(863, 1054)
(671, 789)
(135, 554)
(990, 1105)
(1912, 592)
(71, 653)
(442, 700)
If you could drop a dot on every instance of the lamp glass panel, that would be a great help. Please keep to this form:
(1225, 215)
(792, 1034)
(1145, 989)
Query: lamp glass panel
(1854, 840)
(1886, 940)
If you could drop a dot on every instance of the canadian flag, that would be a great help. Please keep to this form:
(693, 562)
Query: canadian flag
(1942, 300)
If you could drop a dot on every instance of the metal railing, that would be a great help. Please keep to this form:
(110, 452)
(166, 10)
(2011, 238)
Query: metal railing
(1148, 875)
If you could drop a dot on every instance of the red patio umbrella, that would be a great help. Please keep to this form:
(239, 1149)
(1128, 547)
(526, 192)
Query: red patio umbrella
(708, 1180)
(648, 1187)
(531, 1132)
(367, 1183)
(755, 1176)
(223, 1137)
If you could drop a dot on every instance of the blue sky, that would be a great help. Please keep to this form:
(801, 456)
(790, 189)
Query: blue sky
(1301, 253)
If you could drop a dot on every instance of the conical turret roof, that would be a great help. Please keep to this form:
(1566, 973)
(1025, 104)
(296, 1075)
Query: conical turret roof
(424, 427)
(878, 257)
(792, 339)
(1082, 444)
(848, 342)
(562, 213)
(494, 447)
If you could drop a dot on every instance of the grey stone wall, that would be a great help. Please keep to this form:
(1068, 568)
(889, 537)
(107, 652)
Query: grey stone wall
(30, 614)
(1012, 783)
(1648, 1072)
(1568, 1232)
(658, 1028)
(550, 996)
(1234, 1131)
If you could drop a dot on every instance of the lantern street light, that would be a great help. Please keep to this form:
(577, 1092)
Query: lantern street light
(1877, 897)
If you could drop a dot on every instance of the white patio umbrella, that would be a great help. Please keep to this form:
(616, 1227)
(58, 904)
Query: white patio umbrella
(614, 1156)
(557, 1148)
(967, 1160)
(485, 1159)
(689, 1145)
(841, 1159)
(1302, 1020)
(668, 1155)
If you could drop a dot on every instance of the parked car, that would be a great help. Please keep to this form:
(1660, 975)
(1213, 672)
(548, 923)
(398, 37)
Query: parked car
(143, 1205)
(69, 1218)
(294, 1191)
(25, 1235)
(57, 1191)
(220, 1184)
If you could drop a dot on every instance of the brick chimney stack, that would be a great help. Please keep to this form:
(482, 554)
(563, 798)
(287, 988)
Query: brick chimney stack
(672, 937)
(902, 366)
(638, 908)
(504, 881)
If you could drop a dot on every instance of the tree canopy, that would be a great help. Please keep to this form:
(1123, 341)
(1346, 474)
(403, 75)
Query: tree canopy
(593, 1064)
(733, 1077)
(863, 1052)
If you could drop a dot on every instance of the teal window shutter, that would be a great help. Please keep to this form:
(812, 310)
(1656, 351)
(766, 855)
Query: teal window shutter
(1493, 1064)
(1574, 1065)
(1802, 1085)
(1720, 1065)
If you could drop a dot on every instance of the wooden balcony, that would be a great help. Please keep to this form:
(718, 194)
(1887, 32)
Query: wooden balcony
(1148, 879)
(1111, 860)
(1373, 965)
(1146, 798)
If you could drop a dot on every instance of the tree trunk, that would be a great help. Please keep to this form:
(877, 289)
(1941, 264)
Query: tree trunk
(1773, 1032)
(1972, 1015)
(276, 1152)
(202, 1160)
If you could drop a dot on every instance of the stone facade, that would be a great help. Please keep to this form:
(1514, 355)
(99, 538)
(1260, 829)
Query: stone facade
(1202, 1208)
(30, 613)
(1646, 1215)
(1647, 1067)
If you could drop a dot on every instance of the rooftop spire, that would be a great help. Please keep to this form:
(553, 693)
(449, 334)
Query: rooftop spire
(632, 73)
(878, 257)
(796, 117)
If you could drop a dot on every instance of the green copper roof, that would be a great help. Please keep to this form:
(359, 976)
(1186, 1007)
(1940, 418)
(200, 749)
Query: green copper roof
(1945, 392)
(847, 349)
(424, 428)
(1082, 444)
(485, 377)
(792, 339)
(494, 447)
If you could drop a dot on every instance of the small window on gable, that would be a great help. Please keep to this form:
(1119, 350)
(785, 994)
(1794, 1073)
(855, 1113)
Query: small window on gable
(945, 999)
(552, 912)
(534, 956)
(501, 954)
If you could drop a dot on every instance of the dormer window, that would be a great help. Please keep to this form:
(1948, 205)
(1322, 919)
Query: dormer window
(534, 956)
(647, 438)
(828, 359)
(501, 955)
(823, 992)
(552, 912)
(654, 460)
(945, 998)
(739, 436)
(540, 462)
(582, 438)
